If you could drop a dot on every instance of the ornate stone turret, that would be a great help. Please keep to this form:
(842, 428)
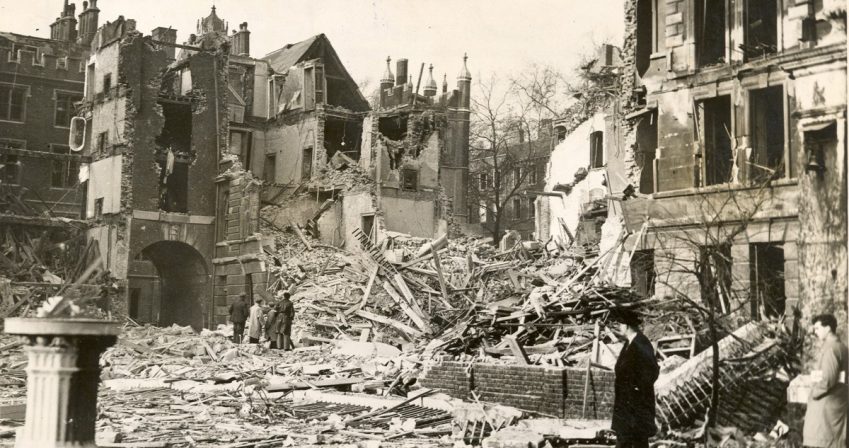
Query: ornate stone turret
(65, 26)
(430, 85)
(212, 24)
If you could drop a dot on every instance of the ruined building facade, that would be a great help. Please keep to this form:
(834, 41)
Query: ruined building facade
(735, 125)
(40, 81)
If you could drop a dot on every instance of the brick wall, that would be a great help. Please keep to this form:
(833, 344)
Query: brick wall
(556, 391)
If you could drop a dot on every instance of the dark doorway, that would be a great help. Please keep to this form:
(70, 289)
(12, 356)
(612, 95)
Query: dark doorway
(766, 272)
(184, 282)
(643, 273)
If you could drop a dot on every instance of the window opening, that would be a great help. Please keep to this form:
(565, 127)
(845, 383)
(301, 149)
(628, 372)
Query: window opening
(766, 271)
(597, 149)
(306, 164)
(710, 31)
(767, 133)
(409, 179)
(714, 127)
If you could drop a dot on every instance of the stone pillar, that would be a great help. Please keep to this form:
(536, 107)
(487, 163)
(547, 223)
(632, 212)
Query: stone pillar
(62, 375)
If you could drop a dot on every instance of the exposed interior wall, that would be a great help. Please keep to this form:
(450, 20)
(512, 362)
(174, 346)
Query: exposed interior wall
(354, 208)
(104, 186)
(286, 139)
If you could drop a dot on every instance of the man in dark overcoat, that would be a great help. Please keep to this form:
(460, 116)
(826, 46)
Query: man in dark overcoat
(636, 371)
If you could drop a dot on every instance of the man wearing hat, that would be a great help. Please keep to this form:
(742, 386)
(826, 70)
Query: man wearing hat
(636, 371)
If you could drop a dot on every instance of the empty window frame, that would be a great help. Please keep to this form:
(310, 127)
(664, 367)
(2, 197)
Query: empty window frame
(368, 225)
(64, 172)
(269, 168)
(597, 149)
(409, 179)
(766, 276)
(646, 151)
(306, 164)
(13, 102)
(767, 131)
(64, 108)
(517, 208)
(714, 130)
(651, 32)
(643, 272)
(714, 267)
(761, 30)
(711, 29)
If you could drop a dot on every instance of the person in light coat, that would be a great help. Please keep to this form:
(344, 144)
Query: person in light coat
(825, 417)
(255, 322)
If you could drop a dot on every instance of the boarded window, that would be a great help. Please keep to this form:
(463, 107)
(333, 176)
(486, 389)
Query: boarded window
(597, 149)
(766, 275)
(65, 108)
(710, 31)
(714, 127)
(409, 179)
(12, 102)
(767, 133)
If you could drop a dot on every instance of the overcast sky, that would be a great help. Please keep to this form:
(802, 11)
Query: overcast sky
(502, 36)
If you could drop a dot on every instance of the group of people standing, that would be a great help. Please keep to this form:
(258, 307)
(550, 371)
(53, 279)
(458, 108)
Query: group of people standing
(275, 321)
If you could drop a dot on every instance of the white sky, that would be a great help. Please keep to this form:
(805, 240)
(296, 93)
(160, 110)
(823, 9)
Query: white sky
(502, 36)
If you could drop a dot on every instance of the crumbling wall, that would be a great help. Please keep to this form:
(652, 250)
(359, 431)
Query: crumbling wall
(555, 391)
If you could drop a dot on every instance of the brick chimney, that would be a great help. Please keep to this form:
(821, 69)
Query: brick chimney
(65, 26)
(166, 35)
(88, 22)
(241, 41)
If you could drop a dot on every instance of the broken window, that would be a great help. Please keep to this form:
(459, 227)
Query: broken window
(221, 214)
(532, 207)
(517, 208)
(102, 141)
(13, 102)
(597, 149)
(393, 127)
(409, 179)
(107, 84)
(714, 128)
(343, 136)
(710, 32)
(174, 187)
(484, 180)
(643, 272)
(319, 84)
(269, 168)
(173, 155)
(368, 226)
(306, 164)
(64, 108)
(767, 133)
(651, 32)
(65, 172)
(714, 268)
(98, 208)
(646, 150)
(766, 275)
(240, 146)
(761, 31)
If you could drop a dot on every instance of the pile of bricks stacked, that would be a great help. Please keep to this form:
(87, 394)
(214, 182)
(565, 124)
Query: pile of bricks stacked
(555, 391)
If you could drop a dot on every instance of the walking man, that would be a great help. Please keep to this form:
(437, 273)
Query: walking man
(825, 417)
(238, 315)
(255, 322)
(636, 371)
(287, 315)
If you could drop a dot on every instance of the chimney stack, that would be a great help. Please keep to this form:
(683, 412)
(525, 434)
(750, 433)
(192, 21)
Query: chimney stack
(168, 36)
(401, 72)
(241, 41)
(65, 26)
(88, 22)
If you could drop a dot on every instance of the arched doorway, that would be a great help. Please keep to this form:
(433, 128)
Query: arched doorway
(183, 282)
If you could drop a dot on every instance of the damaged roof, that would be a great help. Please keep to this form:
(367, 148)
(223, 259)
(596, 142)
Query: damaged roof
(316, 47)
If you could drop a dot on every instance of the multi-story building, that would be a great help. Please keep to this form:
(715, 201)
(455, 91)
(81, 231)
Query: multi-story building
(734, 132)
(40, 81)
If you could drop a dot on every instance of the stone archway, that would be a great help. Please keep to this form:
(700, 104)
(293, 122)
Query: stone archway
(184, 281)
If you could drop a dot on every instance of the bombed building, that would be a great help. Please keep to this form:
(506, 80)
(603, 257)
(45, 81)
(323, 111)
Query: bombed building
(735, 134)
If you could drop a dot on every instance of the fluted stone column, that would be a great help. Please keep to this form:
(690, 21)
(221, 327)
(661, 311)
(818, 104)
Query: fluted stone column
(62, 376)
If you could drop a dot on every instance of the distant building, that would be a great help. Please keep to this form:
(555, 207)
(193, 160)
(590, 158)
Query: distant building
(40, 81)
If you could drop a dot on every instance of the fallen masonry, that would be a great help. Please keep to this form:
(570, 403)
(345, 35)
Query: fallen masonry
(395, 348)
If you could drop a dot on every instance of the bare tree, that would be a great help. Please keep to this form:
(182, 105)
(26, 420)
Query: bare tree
(501, 159)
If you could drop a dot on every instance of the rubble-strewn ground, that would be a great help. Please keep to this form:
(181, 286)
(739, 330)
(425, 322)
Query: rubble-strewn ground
(368, 323)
